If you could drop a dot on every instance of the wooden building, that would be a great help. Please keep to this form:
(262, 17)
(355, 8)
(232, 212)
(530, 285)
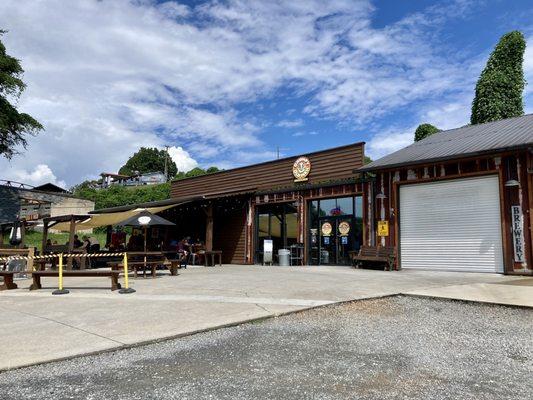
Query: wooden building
(460, 200)
(311, 204)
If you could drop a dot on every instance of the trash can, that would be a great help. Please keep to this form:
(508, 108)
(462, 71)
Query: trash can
(284, 257)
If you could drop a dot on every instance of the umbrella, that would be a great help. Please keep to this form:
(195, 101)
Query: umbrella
(145, 219)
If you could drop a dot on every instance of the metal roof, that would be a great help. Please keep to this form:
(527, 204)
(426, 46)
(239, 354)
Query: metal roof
(470, 140)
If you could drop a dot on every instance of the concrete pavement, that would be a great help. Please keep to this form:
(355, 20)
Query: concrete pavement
(92, 318)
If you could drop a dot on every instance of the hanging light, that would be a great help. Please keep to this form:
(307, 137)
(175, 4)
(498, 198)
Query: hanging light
(381, 196)
(512, 183)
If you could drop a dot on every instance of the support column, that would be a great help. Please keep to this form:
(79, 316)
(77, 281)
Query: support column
(72, 232)
(209, 228)
(45, 236)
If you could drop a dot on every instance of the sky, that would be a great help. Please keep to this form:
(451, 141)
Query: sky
(231, 83)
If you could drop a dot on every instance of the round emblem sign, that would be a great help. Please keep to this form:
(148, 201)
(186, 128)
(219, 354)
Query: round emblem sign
(301, 169)
(326, 229)
(344, 228)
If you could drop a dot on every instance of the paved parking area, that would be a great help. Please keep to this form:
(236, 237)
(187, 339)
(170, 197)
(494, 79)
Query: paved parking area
(390, 348)
(92, 318)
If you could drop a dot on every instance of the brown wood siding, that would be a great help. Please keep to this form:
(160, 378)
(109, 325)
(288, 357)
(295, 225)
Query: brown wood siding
(511, 166)
(327, 165)
(230, 236)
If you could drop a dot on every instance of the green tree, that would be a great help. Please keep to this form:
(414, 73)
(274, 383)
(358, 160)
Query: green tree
(425, 130)
(367, 160)
(14, 126)
(117, 195)
(149, 160)
(500, 86)
(196, 172)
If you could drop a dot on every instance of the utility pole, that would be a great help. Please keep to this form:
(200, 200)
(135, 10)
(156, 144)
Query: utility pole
(278, 149)
(166, 163)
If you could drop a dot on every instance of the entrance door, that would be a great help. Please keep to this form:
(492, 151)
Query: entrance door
(336, 240)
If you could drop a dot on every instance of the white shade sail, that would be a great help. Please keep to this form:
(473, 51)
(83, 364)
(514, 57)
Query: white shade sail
(105, 219)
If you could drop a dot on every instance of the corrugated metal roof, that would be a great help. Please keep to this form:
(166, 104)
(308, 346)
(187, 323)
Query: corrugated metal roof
(469, 140)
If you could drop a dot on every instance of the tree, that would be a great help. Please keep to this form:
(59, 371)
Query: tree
(367, 160)
(117, 195)
(148, 160)
(13, 125)
(197, 172)
(425, 130)
(500, 86)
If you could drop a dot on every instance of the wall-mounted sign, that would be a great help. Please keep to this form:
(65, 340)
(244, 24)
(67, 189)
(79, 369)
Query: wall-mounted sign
(326, 229)
(301, 169)
(517, 225)
(383, 228)
(344, 228)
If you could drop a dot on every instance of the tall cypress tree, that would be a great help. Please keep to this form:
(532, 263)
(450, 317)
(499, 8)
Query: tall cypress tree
(500, 86)
(13, 125)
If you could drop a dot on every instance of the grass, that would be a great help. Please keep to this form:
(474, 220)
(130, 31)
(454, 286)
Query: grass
(34, 238)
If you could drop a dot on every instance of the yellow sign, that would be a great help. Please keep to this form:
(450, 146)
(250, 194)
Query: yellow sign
(326, 229)
(301, 169)
(383, 228)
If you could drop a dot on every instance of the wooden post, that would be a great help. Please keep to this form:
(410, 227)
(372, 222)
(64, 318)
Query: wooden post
(109, 233)
(22, 234)
(72, 232)
(45, 236)
(209, 228)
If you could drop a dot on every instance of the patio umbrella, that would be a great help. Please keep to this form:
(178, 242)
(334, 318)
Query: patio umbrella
(145, 219)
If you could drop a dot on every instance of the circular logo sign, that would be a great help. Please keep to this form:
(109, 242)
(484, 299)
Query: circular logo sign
(344, 228)
(326, 229)
(301, 169)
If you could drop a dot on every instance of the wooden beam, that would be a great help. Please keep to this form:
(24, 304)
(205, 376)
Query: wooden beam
(209, 228)
(72, 232)
(45, 236)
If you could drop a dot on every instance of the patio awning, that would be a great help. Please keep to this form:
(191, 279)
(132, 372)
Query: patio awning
(107, 217)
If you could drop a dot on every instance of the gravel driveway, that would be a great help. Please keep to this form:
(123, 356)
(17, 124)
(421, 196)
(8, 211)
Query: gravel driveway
(393, 348)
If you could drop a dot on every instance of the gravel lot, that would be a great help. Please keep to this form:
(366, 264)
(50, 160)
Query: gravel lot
(395, 348)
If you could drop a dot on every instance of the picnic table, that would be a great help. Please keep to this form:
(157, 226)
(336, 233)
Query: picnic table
(148, 261)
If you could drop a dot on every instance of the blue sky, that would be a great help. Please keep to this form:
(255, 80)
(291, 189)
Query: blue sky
(225, 83)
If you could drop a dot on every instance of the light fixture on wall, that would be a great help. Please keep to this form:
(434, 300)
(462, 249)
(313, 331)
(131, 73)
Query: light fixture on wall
(512, 183)
(381, 196)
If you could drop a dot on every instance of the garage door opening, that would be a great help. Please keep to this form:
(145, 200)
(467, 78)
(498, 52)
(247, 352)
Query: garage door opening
(451, 225)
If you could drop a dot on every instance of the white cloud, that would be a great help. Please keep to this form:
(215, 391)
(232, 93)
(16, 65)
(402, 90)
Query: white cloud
(287, 123)
(389, 141)
(106, 77)
(40, 175)
(182, 158)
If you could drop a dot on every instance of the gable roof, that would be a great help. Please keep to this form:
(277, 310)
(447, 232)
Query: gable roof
(470, 140)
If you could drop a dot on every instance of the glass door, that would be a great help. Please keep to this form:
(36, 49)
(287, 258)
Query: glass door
(336, 240)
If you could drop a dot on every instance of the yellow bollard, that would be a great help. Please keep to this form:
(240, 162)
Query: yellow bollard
(126, 289)
(60, 289)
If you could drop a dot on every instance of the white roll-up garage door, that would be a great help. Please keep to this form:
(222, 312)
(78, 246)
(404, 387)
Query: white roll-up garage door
(451, 225)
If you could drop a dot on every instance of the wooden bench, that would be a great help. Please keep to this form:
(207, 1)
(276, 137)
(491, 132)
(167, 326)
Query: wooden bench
(8, 280)
(210, 255)
(76, 273)
(381, 254)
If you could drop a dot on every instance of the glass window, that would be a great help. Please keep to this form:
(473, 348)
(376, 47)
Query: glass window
(328, 207)
(345, 205)
(263, 229)
(359, 206)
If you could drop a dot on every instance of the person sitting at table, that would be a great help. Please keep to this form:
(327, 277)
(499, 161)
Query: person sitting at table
(183, 246)
(77, 242)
